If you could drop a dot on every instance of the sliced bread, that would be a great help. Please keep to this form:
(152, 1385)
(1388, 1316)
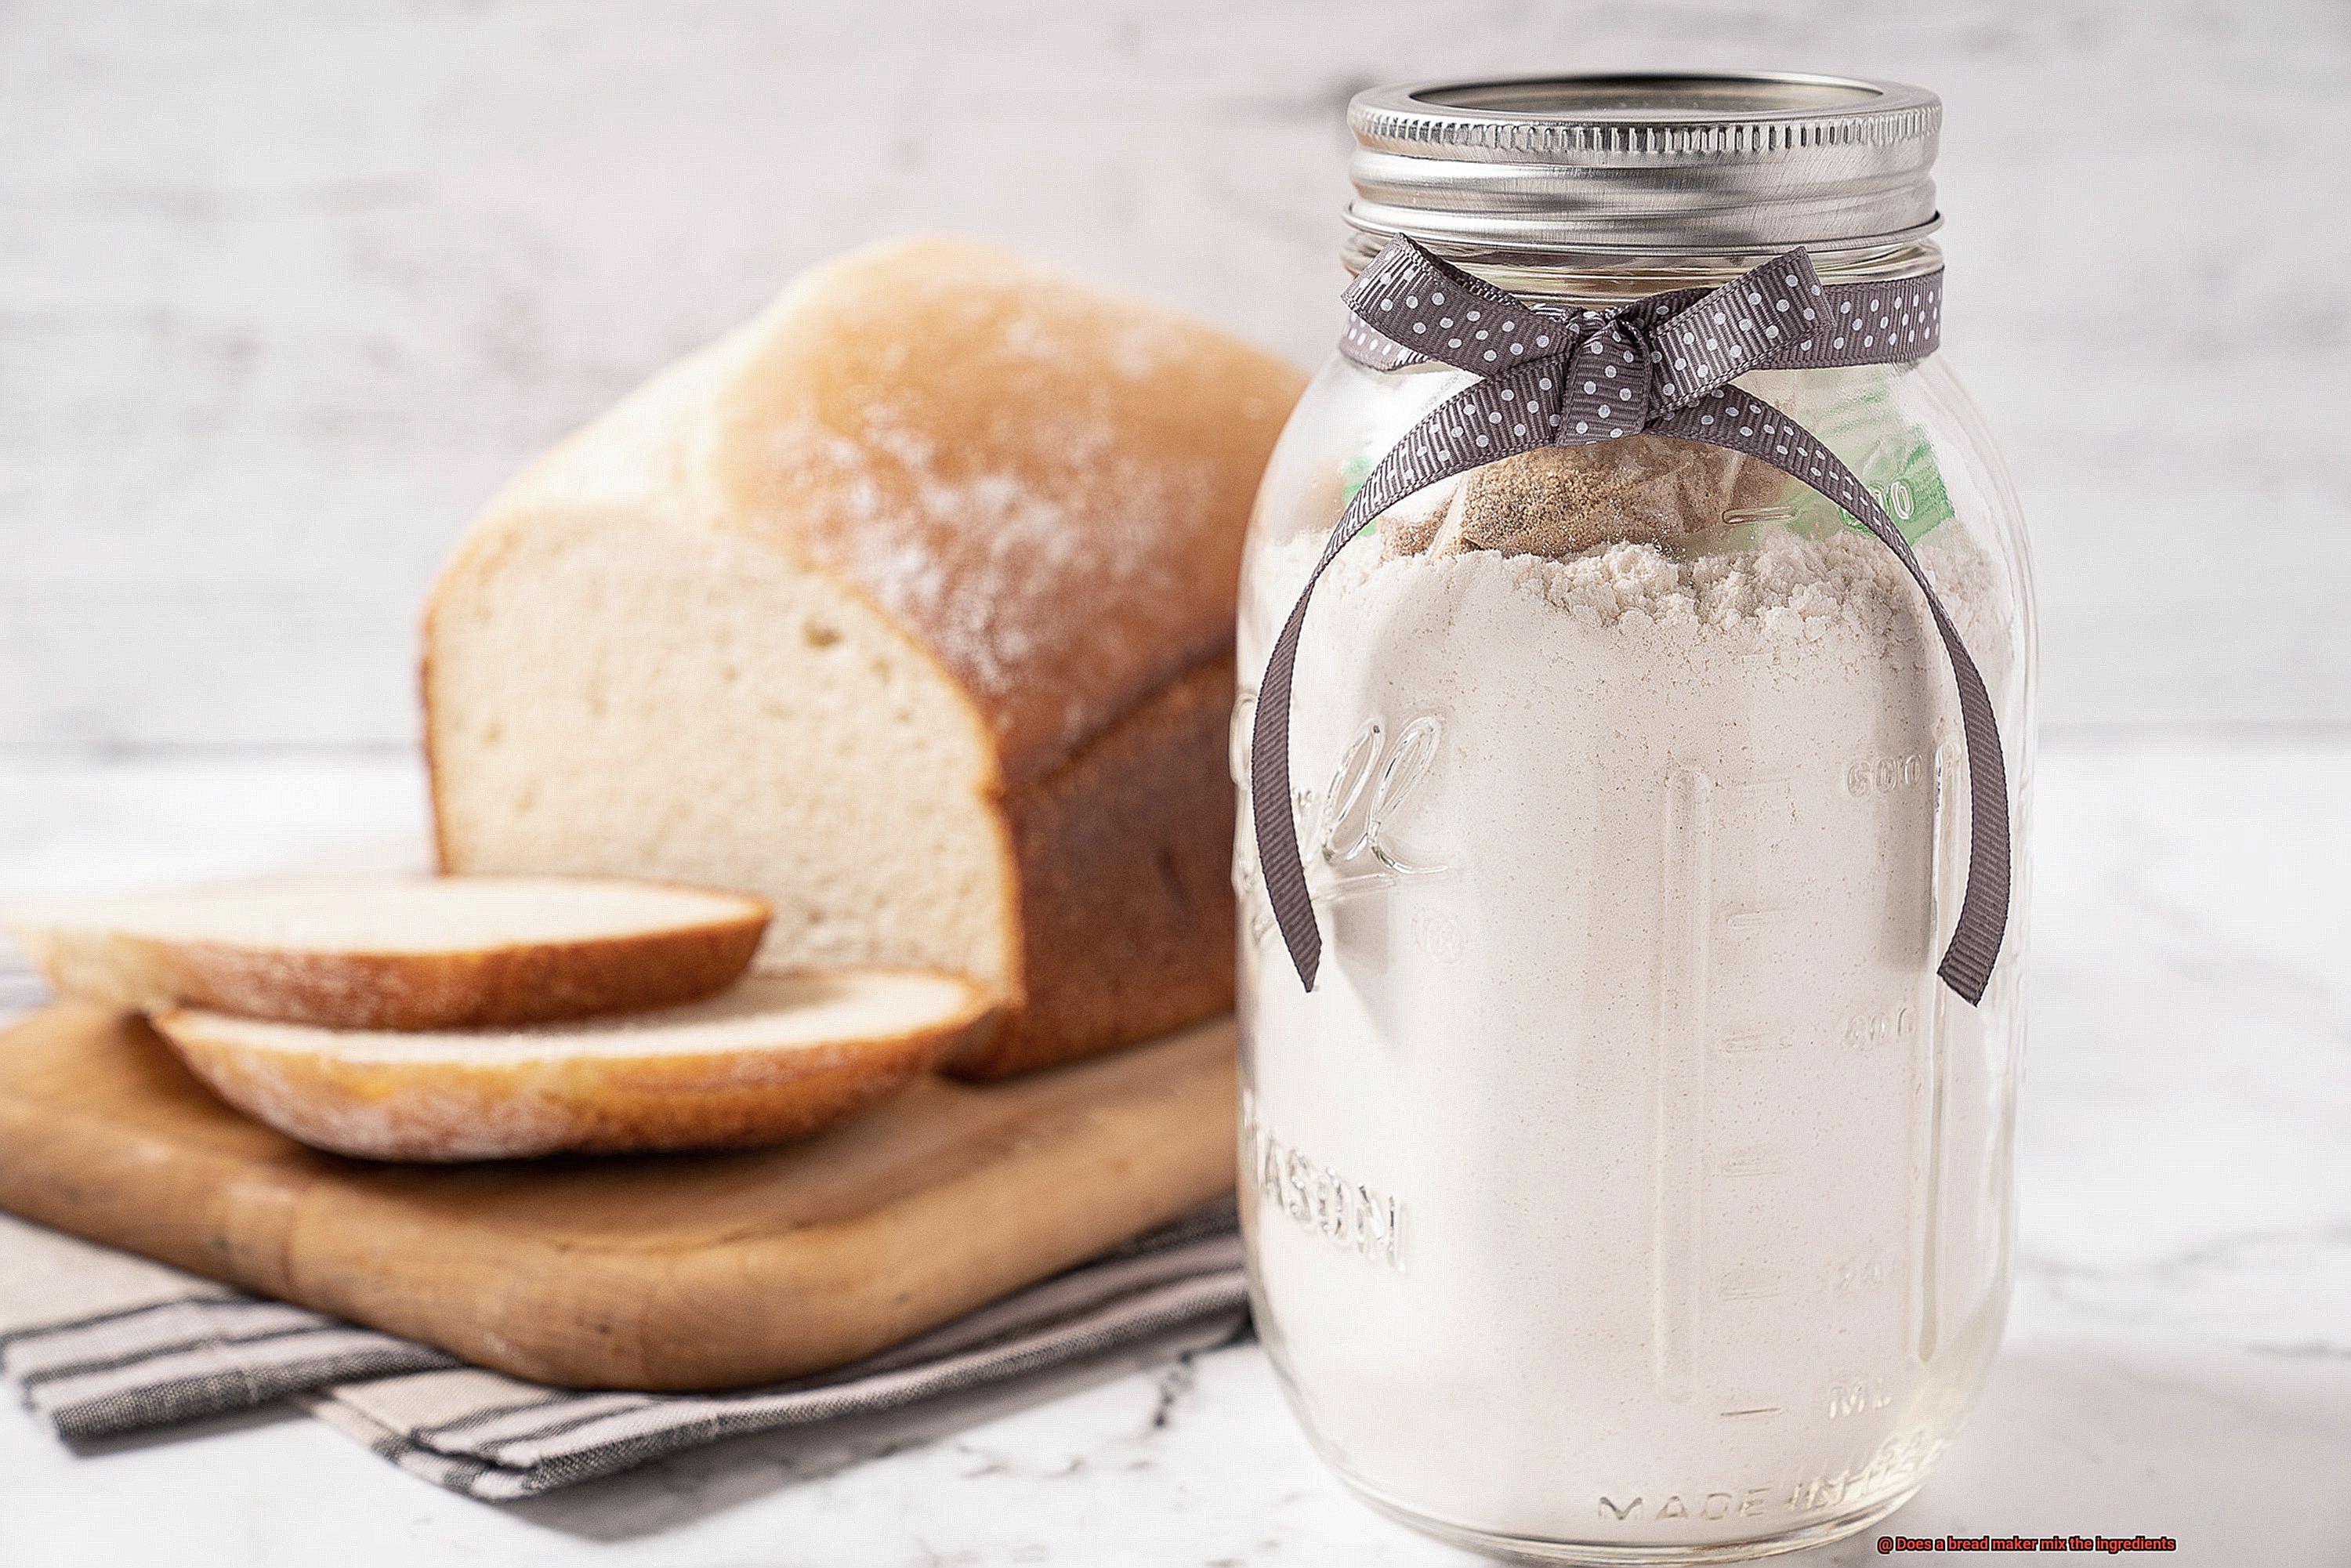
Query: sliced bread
(909, 607)
(773, 1057)
(390, 952)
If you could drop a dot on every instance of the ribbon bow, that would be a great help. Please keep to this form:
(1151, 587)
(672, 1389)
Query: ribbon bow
(1662, 365)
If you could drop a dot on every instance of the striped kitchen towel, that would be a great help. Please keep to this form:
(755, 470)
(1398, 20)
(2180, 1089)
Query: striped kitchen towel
(101, 1343)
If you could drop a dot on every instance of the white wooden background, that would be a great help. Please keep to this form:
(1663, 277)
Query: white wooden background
(287, 289)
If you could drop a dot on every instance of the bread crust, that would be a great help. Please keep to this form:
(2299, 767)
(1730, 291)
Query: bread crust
(450, 1109)
(826, 440)
(520, 983)
(812, 432)
(1125, 856)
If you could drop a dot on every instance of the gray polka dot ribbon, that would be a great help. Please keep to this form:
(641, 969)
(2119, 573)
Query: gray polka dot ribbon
(1663, 365)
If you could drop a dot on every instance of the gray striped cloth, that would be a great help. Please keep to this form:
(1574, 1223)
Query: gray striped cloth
(101, 1343)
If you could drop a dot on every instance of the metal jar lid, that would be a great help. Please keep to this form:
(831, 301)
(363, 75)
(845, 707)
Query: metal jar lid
(1648, 163)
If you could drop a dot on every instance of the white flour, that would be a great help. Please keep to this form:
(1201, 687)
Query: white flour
(1628, 1176)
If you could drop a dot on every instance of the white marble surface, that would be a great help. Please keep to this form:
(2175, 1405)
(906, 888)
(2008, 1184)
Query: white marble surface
(289, 289)
(2178, 1363)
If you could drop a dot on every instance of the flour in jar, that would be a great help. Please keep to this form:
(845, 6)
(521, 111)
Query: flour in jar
(1628, 1159)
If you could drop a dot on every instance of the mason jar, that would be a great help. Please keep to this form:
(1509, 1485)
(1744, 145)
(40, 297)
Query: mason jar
(1629, 1187)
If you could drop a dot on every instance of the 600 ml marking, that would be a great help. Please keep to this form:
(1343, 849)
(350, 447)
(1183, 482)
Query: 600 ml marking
(1346, 1213)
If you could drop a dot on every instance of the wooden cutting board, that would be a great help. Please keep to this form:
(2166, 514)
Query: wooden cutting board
(653, 1272)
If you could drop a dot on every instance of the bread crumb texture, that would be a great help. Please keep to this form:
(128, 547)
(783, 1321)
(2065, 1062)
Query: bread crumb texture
(398, 952)
(775, 1057)
(822, 610)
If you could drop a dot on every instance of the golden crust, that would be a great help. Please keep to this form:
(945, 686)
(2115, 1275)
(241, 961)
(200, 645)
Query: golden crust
(1125, 858)
(1110, 756)
(1063, 462)
(531, 982)
(448, 1108)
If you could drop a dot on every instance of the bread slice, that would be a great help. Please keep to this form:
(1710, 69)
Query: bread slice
(908, 606)
(391, 952)
(773, 1057)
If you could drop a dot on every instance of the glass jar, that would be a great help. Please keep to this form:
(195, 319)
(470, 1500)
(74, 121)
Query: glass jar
(1629, 1188)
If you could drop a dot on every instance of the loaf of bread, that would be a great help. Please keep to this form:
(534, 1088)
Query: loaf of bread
(908, 608)
(775, 1057)
(396, 952)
